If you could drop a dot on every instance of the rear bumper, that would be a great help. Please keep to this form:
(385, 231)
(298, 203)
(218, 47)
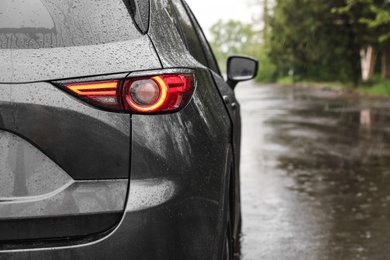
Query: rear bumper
(156, 225)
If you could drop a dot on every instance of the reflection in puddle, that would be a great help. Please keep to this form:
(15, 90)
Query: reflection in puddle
(365, 118)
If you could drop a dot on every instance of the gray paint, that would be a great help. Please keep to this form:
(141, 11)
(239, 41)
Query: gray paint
(79, 61)
(46, 95)
(26, 171)
(180, 165)
(149, 193)
(50, 118)
(76, 197)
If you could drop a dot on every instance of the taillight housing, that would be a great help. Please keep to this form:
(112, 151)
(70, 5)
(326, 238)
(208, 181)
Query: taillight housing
(144, 95)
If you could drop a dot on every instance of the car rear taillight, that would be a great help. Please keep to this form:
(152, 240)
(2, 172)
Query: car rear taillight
(151, 94)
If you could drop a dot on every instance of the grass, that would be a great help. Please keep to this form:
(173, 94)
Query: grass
(376, 86)
(285, 80)
(289, 81)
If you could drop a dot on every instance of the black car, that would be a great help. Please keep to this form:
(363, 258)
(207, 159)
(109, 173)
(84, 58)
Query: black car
(119, 138)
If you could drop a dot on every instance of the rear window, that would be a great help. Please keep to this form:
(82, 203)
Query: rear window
(32, 24)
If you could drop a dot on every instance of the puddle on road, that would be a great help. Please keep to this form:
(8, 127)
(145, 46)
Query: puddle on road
(324, 193)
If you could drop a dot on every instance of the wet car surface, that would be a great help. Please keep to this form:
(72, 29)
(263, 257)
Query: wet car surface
(119, 137)
(315, 174)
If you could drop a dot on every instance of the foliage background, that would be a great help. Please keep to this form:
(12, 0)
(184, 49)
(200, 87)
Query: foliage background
(307, 40)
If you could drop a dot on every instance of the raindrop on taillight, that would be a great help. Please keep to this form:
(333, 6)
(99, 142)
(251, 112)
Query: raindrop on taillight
(146, 95)
(144, 92)
(143, 95)
(103, 93)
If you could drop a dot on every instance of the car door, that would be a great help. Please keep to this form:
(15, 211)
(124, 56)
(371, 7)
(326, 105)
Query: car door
(200, 48)
(233, 108)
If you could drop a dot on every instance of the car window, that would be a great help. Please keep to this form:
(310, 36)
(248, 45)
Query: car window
(213, 65)
(188, 32)
(32, 24)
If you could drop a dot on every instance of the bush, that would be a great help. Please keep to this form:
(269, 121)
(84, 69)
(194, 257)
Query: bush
(376, 86)
(267, 70)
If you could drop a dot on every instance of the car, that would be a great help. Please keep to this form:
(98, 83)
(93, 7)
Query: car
(119, 137)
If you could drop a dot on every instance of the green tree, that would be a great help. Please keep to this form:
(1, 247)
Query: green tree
(310, 41)
(231, 37)
(381, 22)
(370, 20)
(234, 37)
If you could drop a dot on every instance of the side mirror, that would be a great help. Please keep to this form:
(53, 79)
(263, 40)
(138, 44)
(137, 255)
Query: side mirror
(241, 68)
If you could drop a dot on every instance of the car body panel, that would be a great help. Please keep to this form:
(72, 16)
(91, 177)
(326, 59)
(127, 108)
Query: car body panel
(41, 169)
(20, 66)
(48, 118)
(233, 107)
(180, 163)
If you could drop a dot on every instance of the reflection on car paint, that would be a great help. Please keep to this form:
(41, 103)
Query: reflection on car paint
(26, 171)
(149, 193)
(69, 62)
(76, 197)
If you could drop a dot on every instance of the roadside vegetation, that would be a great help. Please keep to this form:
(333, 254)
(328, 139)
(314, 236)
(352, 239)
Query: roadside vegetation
(375, 86)
(341, 43)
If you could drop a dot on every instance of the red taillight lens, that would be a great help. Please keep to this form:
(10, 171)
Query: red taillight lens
(152, 94)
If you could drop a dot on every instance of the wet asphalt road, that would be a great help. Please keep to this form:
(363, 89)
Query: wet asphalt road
(315, 174)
